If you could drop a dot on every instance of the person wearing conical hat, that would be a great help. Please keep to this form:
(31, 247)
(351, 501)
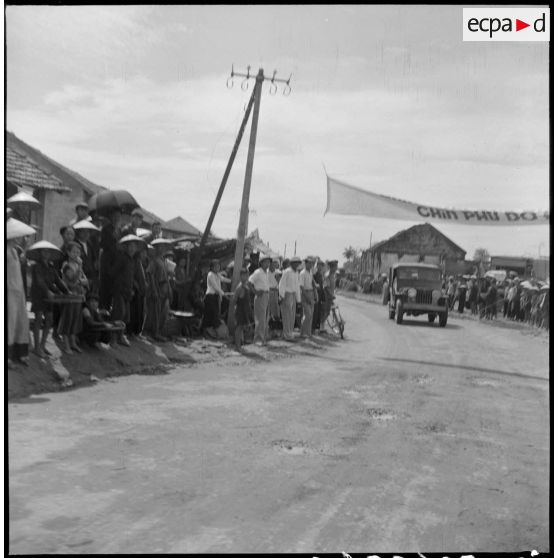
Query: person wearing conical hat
(70, 324)
(289, 296)
(45, 283)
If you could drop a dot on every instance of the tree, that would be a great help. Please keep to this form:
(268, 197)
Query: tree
(481, 255)
(481, 258)
(349, 253)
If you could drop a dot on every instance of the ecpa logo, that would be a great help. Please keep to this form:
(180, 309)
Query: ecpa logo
(506, 24)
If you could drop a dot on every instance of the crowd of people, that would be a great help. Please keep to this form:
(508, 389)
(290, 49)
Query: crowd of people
(271, 299)
(486, 297)
(105, 284)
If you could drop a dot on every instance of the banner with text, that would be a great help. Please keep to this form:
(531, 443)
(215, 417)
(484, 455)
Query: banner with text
(344, 199)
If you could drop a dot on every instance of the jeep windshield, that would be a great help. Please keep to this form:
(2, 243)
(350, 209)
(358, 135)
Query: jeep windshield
(419, 274)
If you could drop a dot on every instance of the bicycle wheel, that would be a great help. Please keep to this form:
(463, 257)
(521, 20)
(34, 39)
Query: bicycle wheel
(334, 323)
(341, 322)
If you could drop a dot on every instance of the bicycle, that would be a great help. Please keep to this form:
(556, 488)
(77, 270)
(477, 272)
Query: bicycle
(335, 321)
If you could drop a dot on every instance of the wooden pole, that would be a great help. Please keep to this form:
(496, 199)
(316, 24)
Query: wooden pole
(244, 207)
(195, 265)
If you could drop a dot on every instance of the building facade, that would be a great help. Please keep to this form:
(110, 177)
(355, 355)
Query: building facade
(420, 243)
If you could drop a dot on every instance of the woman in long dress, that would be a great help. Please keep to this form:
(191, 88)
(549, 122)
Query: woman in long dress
(18, 322)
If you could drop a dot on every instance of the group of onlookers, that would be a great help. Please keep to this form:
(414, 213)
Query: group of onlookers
(271, 296)
(526, 301)
(102, 285)
(105, 283)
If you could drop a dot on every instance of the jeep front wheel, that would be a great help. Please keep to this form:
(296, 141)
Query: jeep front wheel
(399, 311)
(443, 319)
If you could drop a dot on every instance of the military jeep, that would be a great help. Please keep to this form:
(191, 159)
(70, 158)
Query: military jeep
(414, 289)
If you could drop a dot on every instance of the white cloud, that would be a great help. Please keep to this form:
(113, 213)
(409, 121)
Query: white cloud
(129, 96)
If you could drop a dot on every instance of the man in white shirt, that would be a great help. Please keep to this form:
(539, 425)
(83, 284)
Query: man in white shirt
(260, 283)
(289, 295)
(307, 293)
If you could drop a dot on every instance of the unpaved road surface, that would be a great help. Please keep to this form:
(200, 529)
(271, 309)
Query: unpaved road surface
(407, 438)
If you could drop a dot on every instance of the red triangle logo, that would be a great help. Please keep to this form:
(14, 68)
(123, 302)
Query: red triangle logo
(519, 25)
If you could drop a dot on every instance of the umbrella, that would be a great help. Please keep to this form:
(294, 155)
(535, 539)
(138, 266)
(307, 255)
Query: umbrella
(17, 229)
(105, 202)
(23, 198)
(34, 252)
(86, 225)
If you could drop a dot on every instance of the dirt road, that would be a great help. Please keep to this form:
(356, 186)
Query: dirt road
(407, 438)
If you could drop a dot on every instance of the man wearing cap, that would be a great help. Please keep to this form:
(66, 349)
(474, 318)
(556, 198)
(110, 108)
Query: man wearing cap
(289, 295)
(134, 224)
(308, 297)
(82, 213)
(260, 283)
(329, 290)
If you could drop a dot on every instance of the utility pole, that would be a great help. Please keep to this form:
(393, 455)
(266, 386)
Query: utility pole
(195, 265)
(244, 208)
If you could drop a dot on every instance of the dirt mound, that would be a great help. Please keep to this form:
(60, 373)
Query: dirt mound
(62, 372)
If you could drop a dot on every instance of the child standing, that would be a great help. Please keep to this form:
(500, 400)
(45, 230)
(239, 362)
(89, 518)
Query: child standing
(241, 301)
(45, 283)
(76, 282)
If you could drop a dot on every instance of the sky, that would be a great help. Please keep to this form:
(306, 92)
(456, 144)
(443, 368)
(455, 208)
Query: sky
(388, 98)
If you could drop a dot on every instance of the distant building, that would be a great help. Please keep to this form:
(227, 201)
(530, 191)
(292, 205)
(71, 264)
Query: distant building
(523, 266)
(179, 227)
(420, 243)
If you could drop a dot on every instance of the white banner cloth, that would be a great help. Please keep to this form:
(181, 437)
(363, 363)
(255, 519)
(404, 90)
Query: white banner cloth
(344, 199)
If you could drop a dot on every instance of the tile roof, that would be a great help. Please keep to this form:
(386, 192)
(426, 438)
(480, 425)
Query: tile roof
(412, 230)
(22, 171)
(70, 179)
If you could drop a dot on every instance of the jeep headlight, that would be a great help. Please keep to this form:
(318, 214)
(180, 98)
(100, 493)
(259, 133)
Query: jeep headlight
(435, 296)
(412, 294)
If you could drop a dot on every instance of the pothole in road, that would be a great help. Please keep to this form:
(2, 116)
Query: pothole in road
(381, 415)
(433, 427)
(482, 382)
(423, 379)
(292, 448)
